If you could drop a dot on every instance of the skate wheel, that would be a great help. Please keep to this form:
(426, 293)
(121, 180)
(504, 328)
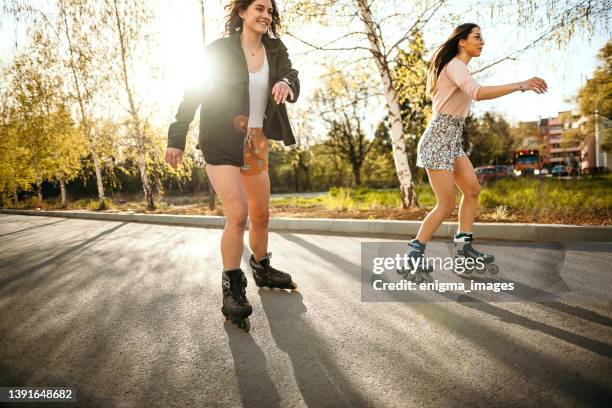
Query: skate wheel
(426, 278)
(289, 286)
(245, 325)
(405, 273)
(225, 313)
(242, 322)
(492, 269)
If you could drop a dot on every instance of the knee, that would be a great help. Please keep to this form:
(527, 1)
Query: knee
(260, 220)
(446, 207)
(473, 192)
(237, 220)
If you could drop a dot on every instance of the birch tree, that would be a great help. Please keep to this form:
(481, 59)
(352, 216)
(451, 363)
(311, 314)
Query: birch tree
(78, 26)
(127, 21)
(40, 119)
(72, 26)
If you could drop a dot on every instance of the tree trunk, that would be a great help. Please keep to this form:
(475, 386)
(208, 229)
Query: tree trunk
(39, 191)
(400, 155)
(137, 123)
(357, 174)
(99, 180)
(15, 195)
(84, 115)
(307, 185)
(62, 183)
(146, 186)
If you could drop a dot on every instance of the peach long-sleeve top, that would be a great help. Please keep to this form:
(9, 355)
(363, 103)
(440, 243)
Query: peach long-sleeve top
(454, 90)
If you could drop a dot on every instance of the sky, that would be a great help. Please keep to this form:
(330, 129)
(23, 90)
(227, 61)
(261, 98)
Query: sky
(177, 34)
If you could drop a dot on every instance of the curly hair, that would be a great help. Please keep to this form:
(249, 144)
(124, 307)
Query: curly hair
(233, 22)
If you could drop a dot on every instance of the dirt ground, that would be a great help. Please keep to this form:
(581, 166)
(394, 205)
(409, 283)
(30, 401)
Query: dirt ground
(484, 214)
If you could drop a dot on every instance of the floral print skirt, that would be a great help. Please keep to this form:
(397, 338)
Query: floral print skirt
(441, 142)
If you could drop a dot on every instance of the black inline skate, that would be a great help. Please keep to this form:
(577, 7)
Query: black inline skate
(418, 270)
(267, 276)
(482, 262)
(236, 307)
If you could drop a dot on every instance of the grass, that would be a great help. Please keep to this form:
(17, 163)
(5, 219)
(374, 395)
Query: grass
(587, 194)
(94, 205)
(54, 204)
(344, 199)
(363, 198)
(588, 200)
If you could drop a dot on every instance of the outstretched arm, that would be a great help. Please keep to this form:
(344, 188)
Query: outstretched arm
(460, 76)
(535, 84)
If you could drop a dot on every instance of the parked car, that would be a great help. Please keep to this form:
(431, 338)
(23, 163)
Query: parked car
(504, 171)
(486, 174)
(559, 170)
(573, 171)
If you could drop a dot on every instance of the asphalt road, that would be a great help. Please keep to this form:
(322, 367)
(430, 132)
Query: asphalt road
(129, 314)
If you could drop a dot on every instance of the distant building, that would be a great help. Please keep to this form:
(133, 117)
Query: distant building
(567, 139)
(588, 145)
(554, 147)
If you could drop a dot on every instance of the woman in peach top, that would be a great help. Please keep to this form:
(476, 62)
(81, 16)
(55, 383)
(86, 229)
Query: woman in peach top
(452, 89)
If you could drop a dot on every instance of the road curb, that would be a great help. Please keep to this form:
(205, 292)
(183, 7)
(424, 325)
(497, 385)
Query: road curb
(380, 228)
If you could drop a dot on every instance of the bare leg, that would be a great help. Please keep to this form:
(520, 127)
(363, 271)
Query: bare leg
(257, 188)
(443, 187)
(465, 178)
(227, 183)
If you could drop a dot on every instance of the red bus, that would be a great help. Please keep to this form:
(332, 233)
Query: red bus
(527, 162)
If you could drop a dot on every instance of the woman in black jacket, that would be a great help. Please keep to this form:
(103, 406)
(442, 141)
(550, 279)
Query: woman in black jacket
(242, 100)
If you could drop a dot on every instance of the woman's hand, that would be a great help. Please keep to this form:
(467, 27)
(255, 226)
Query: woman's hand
(535, 84)
(281, 91)
(174, 156)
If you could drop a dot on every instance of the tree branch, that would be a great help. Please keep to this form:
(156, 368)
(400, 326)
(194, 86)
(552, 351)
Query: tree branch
(323, 48)
(414, 27)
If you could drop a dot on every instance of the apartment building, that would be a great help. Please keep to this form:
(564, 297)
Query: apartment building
(556, 142)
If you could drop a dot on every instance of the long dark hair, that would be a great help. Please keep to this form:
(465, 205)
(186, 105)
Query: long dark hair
(233, 22)
(445, 53)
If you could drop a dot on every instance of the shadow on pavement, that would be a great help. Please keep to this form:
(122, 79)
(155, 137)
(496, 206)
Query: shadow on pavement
(31, 228)
(18, 275)
(508, 352)
(256, 387)
(320, 381)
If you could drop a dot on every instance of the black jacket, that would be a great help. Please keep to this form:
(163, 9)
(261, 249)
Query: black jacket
(224, 100)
